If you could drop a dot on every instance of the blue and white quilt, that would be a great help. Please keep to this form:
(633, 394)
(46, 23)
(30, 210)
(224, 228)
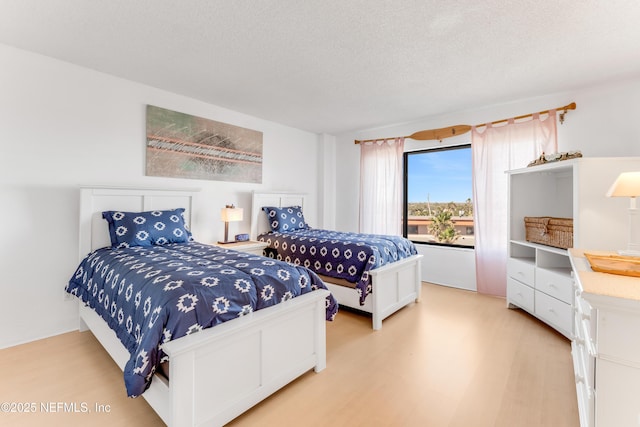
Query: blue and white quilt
(152, 294)
(348, 256)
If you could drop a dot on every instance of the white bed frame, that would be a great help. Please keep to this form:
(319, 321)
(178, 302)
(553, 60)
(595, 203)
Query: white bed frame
(394, 285)
(220, 372)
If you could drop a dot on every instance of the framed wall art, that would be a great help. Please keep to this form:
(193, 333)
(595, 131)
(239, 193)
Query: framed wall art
(184, 146)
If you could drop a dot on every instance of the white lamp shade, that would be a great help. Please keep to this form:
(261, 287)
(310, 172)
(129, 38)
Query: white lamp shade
(626, 185)
(231, 214)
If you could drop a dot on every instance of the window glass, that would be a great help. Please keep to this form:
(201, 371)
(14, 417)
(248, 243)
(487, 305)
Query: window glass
(438, 193)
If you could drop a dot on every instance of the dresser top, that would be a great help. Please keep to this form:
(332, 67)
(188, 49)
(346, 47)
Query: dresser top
(612, 285)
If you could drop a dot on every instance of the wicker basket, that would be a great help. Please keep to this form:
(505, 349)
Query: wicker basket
(556, 232)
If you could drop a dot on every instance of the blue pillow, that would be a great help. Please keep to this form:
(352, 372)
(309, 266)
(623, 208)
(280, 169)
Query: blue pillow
(128, 229)
(285, 219)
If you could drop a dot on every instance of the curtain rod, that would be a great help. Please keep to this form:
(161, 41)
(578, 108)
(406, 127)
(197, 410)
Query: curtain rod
(448, 132)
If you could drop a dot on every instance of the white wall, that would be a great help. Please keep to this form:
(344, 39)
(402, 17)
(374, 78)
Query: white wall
(63, 126)
(605, 124)
(327, 181)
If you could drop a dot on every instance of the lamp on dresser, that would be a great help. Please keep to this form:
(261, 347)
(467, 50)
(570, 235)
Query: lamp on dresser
(229, 214)
(628, 185)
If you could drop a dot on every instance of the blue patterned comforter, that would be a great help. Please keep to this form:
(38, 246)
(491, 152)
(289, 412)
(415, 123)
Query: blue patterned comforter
(150, 295)
(348, 256)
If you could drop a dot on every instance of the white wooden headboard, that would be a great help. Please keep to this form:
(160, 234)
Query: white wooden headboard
(93, 229)
(259, 222)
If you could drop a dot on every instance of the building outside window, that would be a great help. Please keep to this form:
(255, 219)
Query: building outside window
(438, 192)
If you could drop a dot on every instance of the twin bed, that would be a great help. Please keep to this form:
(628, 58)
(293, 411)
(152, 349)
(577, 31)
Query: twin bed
(216, 373)
(389, 280)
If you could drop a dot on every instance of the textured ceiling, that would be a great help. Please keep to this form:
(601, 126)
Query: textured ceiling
(332, 66)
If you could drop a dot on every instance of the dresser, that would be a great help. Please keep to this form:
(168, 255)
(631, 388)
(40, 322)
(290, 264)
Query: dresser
(606, 345)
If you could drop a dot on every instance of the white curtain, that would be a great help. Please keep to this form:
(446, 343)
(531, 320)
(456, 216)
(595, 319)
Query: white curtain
(381, 186)
(496, 149)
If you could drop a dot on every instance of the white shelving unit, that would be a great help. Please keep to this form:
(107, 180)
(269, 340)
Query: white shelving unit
(539, 278)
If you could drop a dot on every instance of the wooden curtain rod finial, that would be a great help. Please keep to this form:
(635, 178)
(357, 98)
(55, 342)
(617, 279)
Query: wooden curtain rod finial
(571, 106)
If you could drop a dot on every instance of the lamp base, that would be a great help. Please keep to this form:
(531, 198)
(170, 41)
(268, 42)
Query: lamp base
(629, 252)
(633, 247)
(227, 242)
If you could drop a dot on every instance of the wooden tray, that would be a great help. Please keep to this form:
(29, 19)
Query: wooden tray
(615, 264)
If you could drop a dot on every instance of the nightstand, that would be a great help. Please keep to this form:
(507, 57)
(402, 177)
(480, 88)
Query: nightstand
(250, 246)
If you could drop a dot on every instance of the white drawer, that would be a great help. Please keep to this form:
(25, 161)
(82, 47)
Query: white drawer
(586, 404)
(556, 284)
(577, 325)
(584, 326)
(583, 363)
(617, 334)
(254, 251)
(520, 295)
(522, 270)
(555, 312)
(582, 366)
(584, 307)
(589, 333)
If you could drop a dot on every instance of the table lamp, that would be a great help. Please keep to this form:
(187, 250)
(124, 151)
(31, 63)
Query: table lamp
(229, 214)
(628, 185)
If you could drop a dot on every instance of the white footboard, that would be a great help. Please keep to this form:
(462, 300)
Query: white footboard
(393, 287)
(217, 374)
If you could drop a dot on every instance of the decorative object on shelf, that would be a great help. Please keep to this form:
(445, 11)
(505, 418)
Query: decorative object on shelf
(628, 185)
(242, 237)
(555, 157)
(615, 264)
(556, 232)
(229, 214)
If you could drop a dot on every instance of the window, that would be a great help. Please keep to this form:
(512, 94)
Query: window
(438, 190)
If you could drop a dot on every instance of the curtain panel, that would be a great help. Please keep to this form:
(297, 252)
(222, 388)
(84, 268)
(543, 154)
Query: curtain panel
(495, 150)
(381, 187)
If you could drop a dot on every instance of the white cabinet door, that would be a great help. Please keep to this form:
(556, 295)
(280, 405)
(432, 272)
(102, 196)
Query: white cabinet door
(617, 395)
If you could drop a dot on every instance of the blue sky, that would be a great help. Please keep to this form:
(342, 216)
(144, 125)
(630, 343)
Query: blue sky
(445, 176)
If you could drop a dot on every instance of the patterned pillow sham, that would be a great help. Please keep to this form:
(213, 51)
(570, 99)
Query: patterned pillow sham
(128, 229)
(285, 219)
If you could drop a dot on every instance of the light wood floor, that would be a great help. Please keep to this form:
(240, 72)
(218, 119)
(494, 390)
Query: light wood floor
(455, 359)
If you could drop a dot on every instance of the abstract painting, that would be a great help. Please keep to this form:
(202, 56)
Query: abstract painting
(183, 146)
